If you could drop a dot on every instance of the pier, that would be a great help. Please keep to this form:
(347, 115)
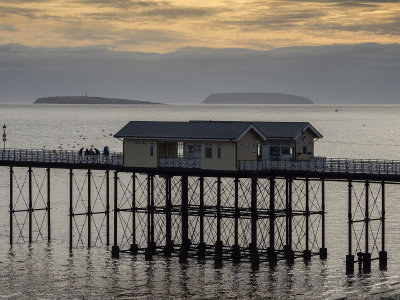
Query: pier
(263, 212)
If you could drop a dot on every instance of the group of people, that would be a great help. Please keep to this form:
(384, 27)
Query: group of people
(93, 151)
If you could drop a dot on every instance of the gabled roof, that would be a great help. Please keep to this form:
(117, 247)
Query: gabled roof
(212, 130)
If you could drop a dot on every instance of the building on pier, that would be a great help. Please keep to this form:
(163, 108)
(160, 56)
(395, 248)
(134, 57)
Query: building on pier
(214, 145)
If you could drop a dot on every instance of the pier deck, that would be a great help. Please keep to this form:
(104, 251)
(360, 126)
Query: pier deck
(264, 211)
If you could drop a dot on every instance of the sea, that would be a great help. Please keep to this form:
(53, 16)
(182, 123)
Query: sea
(45, 270)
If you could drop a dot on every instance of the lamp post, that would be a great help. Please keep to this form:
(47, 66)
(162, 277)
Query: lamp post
(4, 137)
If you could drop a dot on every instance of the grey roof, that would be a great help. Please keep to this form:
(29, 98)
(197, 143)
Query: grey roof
(212, 130)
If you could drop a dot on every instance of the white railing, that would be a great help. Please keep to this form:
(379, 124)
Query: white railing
(59, 156)
(326, 165)
(187, 163)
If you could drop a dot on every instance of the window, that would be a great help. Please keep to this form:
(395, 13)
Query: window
(151, 150)
(304, 149)
(139, 142)
(285, 150)
(259, 150)
(208, 151)
(180, 149)
(219, 151)
(274, 151)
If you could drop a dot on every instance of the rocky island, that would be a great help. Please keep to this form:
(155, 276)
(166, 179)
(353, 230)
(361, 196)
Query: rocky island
(88, 100)
(256, 98)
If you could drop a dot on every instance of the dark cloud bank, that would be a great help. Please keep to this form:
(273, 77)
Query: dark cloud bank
(366, 73)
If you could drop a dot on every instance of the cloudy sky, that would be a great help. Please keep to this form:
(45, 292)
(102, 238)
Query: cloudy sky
(344, 51)
(164, 26)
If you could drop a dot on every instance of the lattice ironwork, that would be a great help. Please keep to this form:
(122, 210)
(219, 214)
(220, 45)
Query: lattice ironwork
(29, 205)
(89, 211)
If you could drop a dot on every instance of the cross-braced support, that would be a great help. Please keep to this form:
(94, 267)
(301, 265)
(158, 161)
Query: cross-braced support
(32, 209)
(366, 225)
(89, 209)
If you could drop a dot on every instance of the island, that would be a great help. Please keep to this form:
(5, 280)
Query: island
(256, 98)
(88, 100)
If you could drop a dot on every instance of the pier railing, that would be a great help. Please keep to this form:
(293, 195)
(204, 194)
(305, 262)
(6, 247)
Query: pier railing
(187, 163)
(60, 156)
(326, 165)
(319, 164)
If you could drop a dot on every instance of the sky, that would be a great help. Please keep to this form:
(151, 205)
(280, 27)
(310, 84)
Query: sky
(39, 34)
(164, 26)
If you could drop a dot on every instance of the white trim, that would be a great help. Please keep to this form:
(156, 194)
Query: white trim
(247, 130)
(309, 126)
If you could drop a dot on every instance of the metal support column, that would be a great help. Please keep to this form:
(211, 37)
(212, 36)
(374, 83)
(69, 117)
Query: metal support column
(150, 221)
(323, 253)
(307, 252)
(71, 207)
(383, 253)
(30, 210)
(201, 251)
(236, 247)
(11, 204)
(272, 257)
(349, 256)
(48, 205)
(168, 218)
(108, 207)
(254, 258)
(218, 244)
(288, 251)
(183, 253)
(367, 255)
(134, 247)
(89, 208)
(115, 247)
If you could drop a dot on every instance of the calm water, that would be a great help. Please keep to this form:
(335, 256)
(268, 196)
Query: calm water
(45, 271)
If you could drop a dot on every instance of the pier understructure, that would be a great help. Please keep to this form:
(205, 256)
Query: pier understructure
(256, 215)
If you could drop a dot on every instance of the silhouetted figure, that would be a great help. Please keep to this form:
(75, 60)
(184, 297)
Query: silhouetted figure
(106, 152)
(97, 151)
(87, 152)
(91, 152)
(80, 152)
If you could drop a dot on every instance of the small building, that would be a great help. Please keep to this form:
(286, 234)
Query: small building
(214, 145)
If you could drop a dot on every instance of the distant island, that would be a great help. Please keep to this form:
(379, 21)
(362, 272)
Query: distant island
(255, 98)
(88, 100)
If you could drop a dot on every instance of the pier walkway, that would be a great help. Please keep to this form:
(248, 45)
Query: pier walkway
(320, 165)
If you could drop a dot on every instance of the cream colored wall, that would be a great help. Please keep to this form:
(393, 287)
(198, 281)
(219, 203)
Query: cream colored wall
(309, 142)
(227, 160)
(138, 155)
(247, 146)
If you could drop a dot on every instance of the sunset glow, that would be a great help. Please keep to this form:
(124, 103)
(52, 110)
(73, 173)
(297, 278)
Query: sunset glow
(163, 26)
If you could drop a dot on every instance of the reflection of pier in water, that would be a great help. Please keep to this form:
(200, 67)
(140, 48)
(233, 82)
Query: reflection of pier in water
(266, 211)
